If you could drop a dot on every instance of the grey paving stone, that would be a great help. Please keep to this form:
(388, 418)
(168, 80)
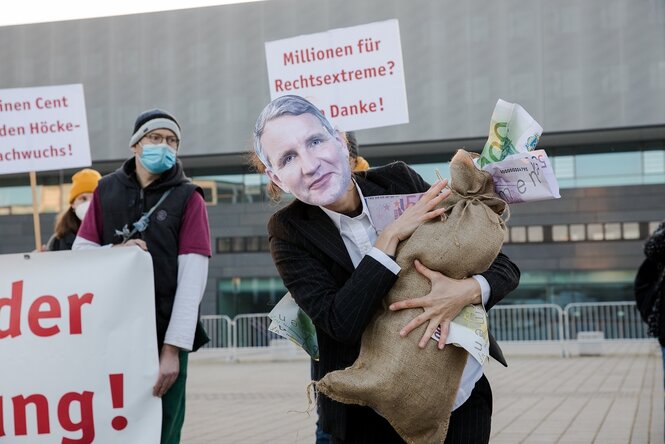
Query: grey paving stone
(539, 398)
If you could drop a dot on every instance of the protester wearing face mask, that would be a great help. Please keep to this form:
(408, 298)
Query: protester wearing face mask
(68, 222)
(150, 203)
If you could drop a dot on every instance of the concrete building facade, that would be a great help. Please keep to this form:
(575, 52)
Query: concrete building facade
(591, 73)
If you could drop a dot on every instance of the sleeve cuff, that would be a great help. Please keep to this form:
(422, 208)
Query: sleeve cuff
(485, 289)
(385, 260)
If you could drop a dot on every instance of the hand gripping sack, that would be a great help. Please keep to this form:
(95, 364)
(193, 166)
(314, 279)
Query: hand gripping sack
(413, 388)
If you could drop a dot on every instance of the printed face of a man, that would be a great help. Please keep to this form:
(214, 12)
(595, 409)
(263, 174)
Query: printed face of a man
(305, 160)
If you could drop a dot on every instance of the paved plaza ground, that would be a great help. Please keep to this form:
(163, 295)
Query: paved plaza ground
(541, 397)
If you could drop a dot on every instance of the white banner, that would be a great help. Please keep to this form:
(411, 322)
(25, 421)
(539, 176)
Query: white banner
(78, 347)
(43, 128)
(354, 75)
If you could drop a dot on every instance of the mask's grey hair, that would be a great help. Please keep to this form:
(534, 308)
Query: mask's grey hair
(286, 105)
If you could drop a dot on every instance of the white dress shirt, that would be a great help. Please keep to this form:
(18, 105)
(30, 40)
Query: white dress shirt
(359, 236)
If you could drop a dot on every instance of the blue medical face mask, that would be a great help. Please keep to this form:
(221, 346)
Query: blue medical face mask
(157, 158)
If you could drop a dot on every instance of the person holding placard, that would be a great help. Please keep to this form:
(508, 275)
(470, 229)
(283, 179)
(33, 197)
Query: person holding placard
(150, 203)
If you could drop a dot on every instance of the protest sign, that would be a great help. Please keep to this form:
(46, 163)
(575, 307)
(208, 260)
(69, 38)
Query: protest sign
(354, 75)
(78, 347)
(43, 128)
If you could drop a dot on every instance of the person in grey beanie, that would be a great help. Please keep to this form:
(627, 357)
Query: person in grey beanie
(150, 203)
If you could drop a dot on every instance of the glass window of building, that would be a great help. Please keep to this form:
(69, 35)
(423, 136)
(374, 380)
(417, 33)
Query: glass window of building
(223, 244)
(560, 233)
(239, 295)
(518, 234)
(595, 232)
(631, 230)
(564, 167)
(652, 227)
(238, 244)
(598, 169)
(653, 162)
(428, 170)
(613, 231)
(577, 232)
(253, 243)
(535, 233)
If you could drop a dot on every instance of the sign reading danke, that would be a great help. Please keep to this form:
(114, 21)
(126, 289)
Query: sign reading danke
(43, 128)
(354, 75)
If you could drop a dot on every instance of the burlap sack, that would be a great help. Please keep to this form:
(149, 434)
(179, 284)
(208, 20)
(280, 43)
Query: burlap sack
(413, 388)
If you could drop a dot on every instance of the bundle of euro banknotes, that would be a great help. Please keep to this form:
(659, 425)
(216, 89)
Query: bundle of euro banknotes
(290, 322)
(520, 172)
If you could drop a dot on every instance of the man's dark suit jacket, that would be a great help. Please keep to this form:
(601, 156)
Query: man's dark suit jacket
(311, 258)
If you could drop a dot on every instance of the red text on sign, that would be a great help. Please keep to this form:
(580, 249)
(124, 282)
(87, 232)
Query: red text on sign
(38, 404)
(357, 108)
(40, 311)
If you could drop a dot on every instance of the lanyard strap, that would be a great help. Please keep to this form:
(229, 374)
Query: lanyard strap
(141, 224)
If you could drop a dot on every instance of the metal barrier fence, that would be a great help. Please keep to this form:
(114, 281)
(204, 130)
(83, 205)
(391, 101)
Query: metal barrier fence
(617, 320)
(219, 329)
(251, 330)
(521, 323)
(537, 322)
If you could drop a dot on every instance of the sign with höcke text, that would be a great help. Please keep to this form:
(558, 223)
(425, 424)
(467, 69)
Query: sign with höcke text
(354, 75)
(43, 128)
(78, 347)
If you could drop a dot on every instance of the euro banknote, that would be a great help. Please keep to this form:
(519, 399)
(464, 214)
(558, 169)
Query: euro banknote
(383, 210)
(290, 322)
(512, 131)
(469, 330)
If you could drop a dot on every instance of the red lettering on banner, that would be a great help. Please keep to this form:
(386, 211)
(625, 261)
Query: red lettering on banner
(75, 303)
(86, 425)
(368, 45)
(14, 304)
(361, 107)
(41, 412)
(36, 314)
(66, 416)
(6, 131)
(117, 381)
(14, 106)
(43, 103)
(52, 127)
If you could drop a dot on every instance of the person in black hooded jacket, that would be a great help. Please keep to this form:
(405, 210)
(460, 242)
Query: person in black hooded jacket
(150, 203)
(654, 249)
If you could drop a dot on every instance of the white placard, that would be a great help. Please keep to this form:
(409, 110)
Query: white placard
(354, 75)
(43, 128)
(78, 347)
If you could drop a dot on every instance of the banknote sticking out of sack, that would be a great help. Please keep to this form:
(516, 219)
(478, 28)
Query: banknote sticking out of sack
(413, 388)
(521, 173)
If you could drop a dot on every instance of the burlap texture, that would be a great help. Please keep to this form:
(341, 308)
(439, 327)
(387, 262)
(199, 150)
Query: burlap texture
(413, 388)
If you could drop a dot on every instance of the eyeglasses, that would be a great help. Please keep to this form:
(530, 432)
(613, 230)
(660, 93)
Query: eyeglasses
(156, 138)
